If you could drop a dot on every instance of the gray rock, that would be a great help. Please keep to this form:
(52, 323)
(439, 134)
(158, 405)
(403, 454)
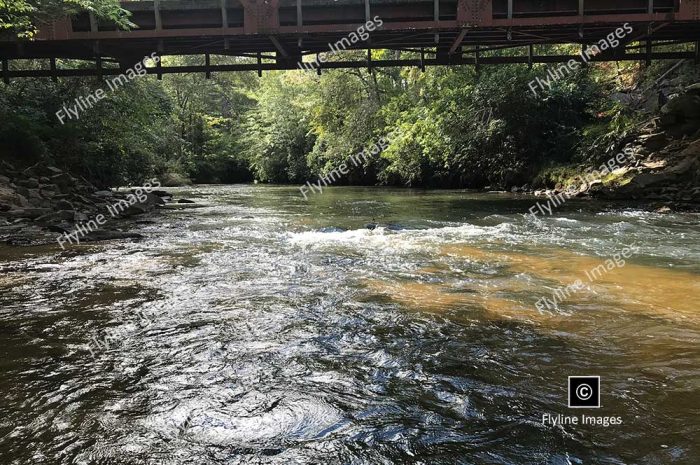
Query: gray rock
(64, 181)
(162, 193)
(684, 105)
(655, 141)
(27, 212)
(80, 217)
(34, 194)
(31, 183)
(64, 205)
(106, 235)
(65, 215)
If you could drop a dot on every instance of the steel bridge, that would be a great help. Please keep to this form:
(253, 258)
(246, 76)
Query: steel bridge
(279, 34)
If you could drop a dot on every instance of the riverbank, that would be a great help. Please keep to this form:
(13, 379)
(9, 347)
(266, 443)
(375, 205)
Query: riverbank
(657, 162)
(44, 204)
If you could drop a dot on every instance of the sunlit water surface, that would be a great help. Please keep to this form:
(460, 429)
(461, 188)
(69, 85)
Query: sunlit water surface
(263, 329)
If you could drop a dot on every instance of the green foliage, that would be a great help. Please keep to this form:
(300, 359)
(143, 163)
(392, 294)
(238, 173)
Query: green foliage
(452, 127)
(277, 136)
(23, 17)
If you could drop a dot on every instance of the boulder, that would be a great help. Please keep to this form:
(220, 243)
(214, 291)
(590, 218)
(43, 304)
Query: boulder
(27, 212)
(80, 217)
(64, 205)
(6, 166)
(162, 193)
(655, 141)
(31, 183)
(686, 106)
(11, 197)
(64, 181)
(65, 215)
(106, 235)
(156, 200)
(104, 194)
(34, 194)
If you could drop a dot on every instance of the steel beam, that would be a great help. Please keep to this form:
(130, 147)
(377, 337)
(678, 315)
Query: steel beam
(483, 60)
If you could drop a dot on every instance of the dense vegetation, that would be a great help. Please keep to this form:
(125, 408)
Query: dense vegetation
(456, 128)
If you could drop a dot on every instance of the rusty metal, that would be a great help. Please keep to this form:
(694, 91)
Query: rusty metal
(251, 28)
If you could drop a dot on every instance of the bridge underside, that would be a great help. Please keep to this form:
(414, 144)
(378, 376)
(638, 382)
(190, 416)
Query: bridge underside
(278, 34)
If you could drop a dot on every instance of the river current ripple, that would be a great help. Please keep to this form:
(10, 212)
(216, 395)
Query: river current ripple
(279, 331)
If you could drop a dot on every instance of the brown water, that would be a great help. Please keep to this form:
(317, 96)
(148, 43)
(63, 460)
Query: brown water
(265, 329)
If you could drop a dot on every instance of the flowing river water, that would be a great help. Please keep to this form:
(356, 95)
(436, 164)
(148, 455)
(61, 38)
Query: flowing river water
(263, 329)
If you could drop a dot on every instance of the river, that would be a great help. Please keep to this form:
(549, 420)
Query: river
(264, 329)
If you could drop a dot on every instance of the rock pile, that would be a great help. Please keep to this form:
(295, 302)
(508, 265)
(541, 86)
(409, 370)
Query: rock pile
(39, 202)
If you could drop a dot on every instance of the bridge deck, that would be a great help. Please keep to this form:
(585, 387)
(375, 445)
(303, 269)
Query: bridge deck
(280, 32)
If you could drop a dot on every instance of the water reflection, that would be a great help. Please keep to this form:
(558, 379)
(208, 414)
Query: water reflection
(288, 332)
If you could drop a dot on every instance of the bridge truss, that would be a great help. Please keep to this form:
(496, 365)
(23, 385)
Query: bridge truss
(279, 34)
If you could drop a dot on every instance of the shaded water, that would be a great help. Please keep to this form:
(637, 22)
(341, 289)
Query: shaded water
(265, 329)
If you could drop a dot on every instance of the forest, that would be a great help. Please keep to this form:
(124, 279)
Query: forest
(459, 127)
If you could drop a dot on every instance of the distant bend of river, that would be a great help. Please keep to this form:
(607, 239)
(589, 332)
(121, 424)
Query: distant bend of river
(265, 329)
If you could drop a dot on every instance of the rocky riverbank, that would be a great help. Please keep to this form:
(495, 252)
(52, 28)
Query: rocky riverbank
(663, 170)
(40, 203)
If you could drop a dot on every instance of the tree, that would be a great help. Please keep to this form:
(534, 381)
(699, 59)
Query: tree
(24, 17)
